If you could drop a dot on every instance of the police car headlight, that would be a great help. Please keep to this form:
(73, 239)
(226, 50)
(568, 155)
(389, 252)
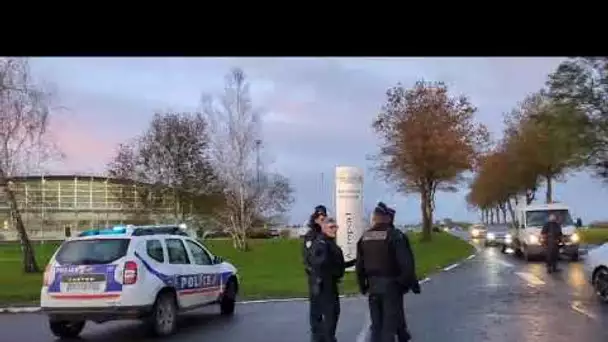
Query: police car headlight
(533, 239)
(474, 232)
(574, 237)
(491, 236)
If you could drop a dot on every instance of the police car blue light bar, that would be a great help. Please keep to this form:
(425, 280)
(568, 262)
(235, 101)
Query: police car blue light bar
(112, 231)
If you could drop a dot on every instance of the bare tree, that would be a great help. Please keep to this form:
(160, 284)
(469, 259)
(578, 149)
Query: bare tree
(249, 193)
(171, 159)
(24, 115)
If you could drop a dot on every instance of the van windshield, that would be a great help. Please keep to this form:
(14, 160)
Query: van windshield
(538, 218)
(92, 252)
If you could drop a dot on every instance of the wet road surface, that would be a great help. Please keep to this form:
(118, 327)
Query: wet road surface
(493, 297)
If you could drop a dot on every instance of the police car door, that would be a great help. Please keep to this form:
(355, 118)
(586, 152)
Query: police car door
(208, 274)
(183, 271)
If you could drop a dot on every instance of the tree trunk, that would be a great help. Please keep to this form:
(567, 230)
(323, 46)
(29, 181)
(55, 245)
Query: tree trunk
(512, 212)
(497, 214)
(491, 216)
(29, 258)
(549, 194)
(504, 213)
(427, 215)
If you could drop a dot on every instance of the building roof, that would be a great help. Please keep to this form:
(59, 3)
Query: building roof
(59, 177)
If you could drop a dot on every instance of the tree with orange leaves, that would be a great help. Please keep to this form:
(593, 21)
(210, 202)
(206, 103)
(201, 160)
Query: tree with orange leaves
(548, 139)
(429, 139)
(500, 179)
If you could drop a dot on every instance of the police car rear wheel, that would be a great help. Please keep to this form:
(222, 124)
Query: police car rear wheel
(164, 315)
(65, 329)
(228, 301)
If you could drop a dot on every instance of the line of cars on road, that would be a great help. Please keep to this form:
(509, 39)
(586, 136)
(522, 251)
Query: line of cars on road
(523, 238)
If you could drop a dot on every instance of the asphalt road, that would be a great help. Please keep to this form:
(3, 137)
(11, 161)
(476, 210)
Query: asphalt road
(493, 297)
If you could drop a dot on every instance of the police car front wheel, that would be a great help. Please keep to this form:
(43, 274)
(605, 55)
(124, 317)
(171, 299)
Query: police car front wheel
(66, 329)
(164, 315)
(228, 301)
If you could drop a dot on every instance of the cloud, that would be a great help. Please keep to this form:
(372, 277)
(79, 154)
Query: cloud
(318, 112)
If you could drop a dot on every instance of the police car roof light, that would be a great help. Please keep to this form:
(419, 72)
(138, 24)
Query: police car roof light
(112, 231)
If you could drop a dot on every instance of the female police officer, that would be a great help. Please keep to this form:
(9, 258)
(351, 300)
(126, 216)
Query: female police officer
(327, 269)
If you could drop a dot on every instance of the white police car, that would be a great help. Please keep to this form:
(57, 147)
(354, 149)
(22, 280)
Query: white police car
(143, 272)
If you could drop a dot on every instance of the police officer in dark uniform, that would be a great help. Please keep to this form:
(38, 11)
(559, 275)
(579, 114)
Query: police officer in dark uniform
(403, 335)
(314, 229)
(552, 236)
(383, 270)
(327, 269)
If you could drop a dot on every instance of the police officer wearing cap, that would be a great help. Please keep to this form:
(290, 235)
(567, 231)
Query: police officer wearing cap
(383, 269)
(403, 335)
(314, 229)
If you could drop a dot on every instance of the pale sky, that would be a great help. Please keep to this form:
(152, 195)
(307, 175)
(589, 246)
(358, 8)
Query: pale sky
(318, 114)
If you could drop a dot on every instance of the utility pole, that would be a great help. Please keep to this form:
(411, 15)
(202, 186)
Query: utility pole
(258, 143)
(322, 188)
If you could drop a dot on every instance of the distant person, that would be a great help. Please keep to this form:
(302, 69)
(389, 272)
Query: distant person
(327, 270)
(314, 229)
(403, 334)
(552, 236)
(383, 270)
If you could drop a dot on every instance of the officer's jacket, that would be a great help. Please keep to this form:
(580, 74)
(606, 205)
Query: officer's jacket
(383, 253)
(309, 238)
(326, 259)
(552, 232)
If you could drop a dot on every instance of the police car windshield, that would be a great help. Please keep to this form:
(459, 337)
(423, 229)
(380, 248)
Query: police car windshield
(92, 252)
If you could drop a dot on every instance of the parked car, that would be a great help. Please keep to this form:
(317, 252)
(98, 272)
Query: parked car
(151, 273)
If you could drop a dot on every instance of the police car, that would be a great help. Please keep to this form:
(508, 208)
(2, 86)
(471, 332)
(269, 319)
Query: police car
(133, 272)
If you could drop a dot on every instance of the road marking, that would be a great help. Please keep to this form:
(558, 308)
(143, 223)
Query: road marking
(451, 267)
(530, 278)
(578, 307)
(424, 280)
(19, 310)
(362, 336)
(471, 256)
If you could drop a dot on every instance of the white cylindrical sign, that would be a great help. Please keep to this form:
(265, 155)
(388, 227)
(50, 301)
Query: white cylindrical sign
(349, 209)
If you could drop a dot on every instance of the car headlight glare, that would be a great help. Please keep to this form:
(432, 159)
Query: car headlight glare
(533, 239)
(475, 232)
(491, 236)
(574, 238)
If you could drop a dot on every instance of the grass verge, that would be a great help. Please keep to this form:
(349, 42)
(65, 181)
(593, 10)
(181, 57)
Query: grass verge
(593, 235)
(272, 269)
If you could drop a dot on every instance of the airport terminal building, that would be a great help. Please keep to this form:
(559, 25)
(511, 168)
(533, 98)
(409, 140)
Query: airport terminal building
(53, 206)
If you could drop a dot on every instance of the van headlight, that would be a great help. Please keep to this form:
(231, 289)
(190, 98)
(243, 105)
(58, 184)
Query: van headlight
(508, 238)
(474, 232)
(574, 238)
(491, 236)
(533, 239)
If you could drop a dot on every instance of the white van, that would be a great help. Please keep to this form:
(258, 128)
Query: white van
(525, 233)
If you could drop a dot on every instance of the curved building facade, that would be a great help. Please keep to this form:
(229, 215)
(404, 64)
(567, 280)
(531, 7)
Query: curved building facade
(53, 206)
